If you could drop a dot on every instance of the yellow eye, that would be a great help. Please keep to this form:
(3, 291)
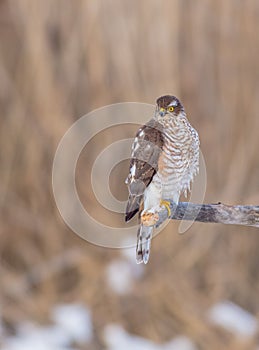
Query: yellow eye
(170, 109)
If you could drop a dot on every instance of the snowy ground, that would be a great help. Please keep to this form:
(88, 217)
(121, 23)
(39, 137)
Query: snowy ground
(117, 338)
(72, 328)
(234, 319)
(71, 324)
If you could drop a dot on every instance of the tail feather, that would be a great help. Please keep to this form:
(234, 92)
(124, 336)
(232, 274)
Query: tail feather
(143, 243)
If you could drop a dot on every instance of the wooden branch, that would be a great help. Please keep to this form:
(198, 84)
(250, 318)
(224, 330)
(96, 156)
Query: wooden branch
(247, 215)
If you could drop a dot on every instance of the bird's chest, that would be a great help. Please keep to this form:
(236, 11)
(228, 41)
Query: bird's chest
(172, 163)
(173, 159)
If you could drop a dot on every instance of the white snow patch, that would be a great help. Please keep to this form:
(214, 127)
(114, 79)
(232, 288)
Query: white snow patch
(74, 320)
(116, 338)
(72, 324)
(180, 343)
(31, 336)
(119, 276)
(30, 344)
(233, 318)
(130, 254)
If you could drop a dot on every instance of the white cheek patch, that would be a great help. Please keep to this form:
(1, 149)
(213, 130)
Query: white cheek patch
(141, 133)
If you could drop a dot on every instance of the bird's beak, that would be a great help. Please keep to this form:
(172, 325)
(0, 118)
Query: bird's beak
(162, 112)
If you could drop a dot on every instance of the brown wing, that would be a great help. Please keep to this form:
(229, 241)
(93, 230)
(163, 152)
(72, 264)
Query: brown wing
(146, 149)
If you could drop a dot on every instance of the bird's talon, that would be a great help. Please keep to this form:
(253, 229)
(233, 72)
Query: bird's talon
(166, 204)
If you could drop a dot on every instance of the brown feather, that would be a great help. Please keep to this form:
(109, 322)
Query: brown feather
(145, 161)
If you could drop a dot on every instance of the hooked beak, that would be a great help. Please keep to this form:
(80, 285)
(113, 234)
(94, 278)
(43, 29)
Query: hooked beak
(162, 112)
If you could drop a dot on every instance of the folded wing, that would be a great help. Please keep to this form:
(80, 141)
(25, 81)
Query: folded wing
(146, 150)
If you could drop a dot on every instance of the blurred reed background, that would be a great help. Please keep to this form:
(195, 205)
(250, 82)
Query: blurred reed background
(60, 60)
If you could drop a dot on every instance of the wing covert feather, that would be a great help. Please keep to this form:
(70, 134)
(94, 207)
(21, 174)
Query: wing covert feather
(146, 150)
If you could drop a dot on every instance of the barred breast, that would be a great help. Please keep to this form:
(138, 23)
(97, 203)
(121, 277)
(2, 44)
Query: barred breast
(179, 161)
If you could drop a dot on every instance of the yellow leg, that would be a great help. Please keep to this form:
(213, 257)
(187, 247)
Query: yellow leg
(166, 204)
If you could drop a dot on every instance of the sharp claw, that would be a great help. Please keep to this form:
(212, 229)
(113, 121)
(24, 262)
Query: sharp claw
(166, 204)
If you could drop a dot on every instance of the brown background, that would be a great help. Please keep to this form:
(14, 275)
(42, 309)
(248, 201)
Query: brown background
(62, 59)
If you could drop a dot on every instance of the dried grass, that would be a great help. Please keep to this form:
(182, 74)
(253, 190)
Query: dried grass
(58, 61)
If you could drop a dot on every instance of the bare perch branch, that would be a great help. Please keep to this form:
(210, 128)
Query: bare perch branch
(247, 215)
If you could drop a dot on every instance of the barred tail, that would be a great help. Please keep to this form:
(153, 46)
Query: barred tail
(143, 243)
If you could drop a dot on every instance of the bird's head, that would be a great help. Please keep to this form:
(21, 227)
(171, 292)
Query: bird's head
(168, 106)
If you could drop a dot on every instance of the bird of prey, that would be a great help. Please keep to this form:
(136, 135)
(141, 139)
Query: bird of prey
(164, 161)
